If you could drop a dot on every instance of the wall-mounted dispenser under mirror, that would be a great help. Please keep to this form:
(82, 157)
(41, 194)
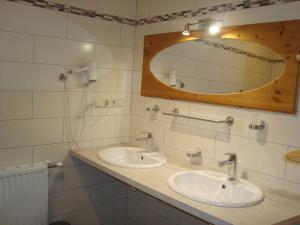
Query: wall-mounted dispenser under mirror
(252, 66)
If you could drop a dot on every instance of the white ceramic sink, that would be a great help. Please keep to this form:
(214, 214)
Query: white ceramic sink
(213, 188)
(132, 157)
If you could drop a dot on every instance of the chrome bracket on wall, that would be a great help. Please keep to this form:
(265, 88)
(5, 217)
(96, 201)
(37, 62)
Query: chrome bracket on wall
(260, 126)
(155, 109)
(175, 112)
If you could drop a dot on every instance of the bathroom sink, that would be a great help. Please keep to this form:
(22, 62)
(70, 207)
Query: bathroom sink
(213, 188)
(132, 157)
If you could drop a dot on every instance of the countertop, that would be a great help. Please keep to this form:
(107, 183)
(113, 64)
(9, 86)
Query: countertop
(275, 208)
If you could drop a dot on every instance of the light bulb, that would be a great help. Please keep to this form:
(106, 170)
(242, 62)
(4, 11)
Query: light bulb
(186, 33)
(214, 29)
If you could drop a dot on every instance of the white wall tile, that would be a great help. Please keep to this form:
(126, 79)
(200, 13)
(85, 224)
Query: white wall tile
(107, 80)
(62, 52)
(114, 57)
(110, 141)
(15, 105)
(136, 82)
(148, 29)
(16, 47)
(263, 14)
(138, 58)
(188, 138)
(125, 80)
(104, 127)
(15, 156)
(206, 3)
(165, 105)
(79, 103)
(127, 35)
(48, 104)
(242, 118)
(122, 126)
(86, 4)
(30, 77)
(140, 124)
(280, 128)
(68, 201)
(137, 105)
(14, 133)
(143, 9)
(54, 153)
(118, 103)
(22, 18)
(170, 6)
(264, 157)
(93, 30)
(123, 8)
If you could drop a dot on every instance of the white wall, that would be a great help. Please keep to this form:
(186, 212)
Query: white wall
(36, 45)
(260, 153)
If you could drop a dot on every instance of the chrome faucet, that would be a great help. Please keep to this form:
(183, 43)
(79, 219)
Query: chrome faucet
(232, 165)
(149, 140)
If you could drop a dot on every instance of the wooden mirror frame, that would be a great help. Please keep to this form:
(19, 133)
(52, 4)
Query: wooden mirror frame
(280, 95)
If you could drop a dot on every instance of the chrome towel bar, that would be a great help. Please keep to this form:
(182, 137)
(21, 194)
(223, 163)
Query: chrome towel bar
(175, 112)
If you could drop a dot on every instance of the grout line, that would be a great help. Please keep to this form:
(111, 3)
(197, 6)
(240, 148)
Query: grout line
(32, 106)
(66, 38)
(61, 143)
(67, 26)
(33, 49)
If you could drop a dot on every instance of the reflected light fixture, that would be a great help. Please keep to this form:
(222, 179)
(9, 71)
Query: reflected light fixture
(212, 26)
(186, 31)
(214, 29)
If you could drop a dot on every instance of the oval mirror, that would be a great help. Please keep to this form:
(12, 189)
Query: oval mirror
(217, 66)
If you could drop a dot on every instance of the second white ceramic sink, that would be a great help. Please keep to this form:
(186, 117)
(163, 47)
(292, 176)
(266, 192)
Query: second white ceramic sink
(132, 157)
(213, 188)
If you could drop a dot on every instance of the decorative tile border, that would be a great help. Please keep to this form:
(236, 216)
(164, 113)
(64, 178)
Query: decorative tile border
(241, 52)
(78, 11)
(239, 5)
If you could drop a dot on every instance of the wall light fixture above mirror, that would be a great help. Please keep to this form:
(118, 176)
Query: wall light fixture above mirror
(252, 66)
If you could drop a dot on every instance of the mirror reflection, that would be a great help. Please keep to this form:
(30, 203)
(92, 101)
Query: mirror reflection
(217, 66)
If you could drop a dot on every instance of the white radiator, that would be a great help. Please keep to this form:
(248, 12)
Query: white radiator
(24, 195)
